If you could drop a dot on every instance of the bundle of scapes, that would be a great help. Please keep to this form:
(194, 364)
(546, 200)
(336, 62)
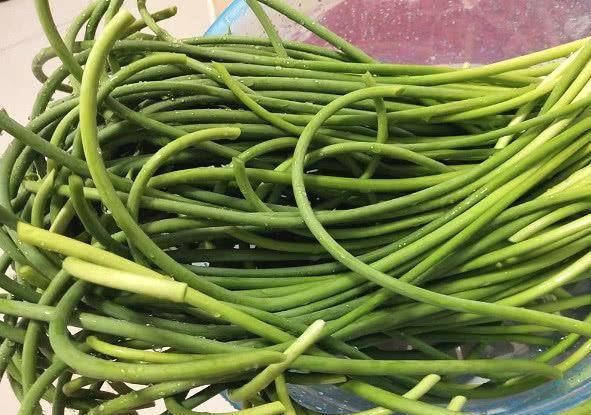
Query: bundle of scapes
(251, 213)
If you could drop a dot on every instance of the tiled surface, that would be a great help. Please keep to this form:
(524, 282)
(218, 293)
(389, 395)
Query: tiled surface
(21, 37)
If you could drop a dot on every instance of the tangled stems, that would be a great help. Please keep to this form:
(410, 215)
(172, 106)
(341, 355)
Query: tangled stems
(399, 287)
(97, 368)
(267, 376)
(169, 290)
(32, 336)
(141, 181)
(419, 229)
(394, 402)
(147, 17)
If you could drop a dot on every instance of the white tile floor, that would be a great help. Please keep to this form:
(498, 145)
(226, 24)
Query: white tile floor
(21, 37)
